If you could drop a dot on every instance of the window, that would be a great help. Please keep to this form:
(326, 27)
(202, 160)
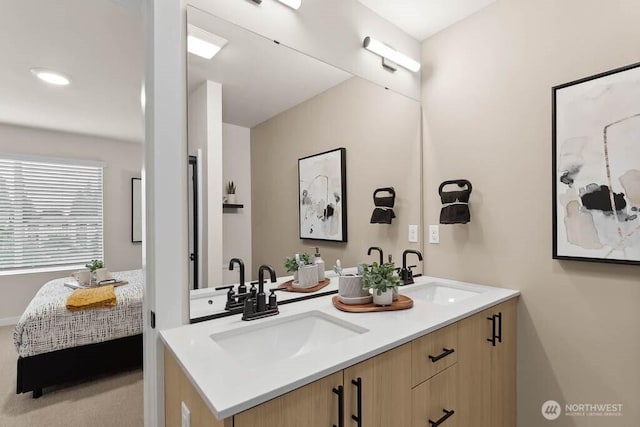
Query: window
(50, 213)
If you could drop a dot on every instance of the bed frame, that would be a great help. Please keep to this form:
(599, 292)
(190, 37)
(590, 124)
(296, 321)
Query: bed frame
(76, 363)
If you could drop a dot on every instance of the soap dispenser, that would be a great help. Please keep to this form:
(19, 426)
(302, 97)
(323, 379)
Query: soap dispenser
(319, 262)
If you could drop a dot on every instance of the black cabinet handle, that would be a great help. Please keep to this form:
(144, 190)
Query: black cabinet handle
(444, 418)
(499, 317)
(492, 340)
(358, 418)
(340, 392)
(445, 353)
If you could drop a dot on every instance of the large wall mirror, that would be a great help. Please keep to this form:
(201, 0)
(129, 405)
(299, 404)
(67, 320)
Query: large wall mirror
(254, 109)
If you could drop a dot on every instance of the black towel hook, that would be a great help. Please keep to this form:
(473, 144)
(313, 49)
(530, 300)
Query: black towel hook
(461, 183)
(388, 201)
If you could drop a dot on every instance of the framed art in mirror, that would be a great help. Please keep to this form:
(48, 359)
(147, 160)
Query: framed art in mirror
(596, 168)
(322, 196)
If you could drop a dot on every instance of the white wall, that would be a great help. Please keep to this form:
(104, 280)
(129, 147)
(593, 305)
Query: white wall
(123, 162)
(330, 30)
(236, 223)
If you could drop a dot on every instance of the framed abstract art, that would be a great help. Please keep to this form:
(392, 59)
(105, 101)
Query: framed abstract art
(596, 168)
(322, 196)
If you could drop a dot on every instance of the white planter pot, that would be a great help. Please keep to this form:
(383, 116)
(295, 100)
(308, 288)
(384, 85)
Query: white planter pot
(351, 287)
(231, 199)
(386, 298)
(307, 276)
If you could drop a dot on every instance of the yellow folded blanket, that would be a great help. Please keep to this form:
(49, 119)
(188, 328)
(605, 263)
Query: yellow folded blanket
(80, 299)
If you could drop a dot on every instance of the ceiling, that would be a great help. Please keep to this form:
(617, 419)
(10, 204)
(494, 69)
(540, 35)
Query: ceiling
(260, 79)
(98, 43)
(424, 18)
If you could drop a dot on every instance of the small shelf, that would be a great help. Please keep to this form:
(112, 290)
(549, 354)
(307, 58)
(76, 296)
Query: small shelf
(232, 206)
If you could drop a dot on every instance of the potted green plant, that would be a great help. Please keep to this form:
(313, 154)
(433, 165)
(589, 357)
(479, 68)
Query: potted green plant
(302, 262)
(382, 279)
(231, 192)
(94, 265)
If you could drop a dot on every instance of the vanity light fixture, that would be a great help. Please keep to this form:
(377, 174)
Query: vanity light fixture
(293, 4)
(391, 54)
(51, 77)
(202, 43)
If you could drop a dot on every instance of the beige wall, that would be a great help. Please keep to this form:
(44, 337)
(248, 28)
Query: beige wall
(381, 132)
(487, 106)
(123, 162)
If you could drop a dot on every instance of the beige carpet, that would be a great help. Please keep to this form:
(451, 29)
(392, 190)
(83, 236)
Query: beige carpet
(111, 401)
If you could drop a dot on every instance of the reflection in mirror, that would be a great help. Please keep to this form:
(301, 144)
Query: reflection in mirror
(255, 109)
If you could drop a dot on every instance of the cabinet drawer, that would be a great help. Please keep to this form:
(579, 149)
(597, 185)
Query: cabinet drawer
(433, 353)
(435, 402)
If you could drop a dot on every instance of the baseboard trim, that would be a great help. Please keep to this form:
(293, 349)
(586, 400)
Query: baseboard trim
(8, 321)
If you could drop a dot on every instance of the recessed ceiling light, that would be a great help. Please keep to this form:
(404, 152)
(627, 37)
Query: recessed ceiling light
(294, 4)
(51, 77)
(203, 43)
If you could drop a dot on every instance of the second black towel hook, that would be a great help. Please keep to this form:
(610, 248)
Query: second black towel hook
(387, 201)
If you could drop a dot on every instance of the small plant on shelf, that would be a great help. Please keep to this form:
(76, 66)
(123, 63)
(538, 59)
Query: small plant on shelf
(231, 187)
(291, 264)
(380, 278)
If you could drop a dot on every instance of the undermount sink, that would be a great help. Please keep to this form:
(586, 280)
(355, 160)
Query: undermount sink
(285, 338)
(439, 293)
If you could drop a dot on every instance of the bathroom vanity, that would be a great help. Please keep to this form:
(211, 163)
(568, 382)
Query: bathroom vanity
(449, 361)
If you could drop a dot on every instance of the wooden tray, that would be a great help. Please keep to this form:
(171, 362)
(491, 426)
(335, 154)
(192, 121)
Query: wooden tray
(402, 303)
(288, 286)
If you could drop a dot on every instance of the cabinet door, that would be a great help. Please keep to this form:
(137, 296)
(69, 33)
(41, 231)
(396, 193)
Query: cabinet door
(436, 402)
(503, 367)
(474, 371)
(314, 405)
(487, 372)
(385, 390)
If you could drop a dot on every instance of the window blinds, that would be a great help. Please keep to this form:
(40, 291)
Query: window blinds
(51, 213)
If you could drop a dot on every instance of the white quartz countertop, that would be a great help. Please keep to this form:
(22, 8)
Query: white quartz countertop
(231, 383)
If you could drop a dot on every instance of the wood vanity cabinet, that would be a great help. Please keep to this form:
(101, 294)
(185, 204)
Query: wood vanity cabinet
(377, 392)
(462, 375)
(487, 367)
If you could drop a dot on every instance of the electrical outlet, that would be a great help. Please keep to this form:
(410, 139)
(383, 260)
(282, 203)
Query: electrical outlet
(186, 416)
(413, 234)
(434, 234)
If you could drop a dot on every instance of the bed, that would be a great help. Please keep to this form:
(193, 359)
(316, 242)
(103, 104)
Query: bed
(56, 345)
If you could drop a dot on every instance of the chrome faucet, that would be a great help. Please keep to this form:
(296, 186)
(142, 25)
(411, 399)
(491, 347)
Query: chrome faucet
(406, 275)
(256, 307)
(379, 249)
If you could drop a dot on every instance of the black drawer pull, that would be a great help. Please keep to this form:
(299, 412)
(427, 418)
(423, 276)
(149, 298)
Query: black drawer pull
(358, 418)
(444, 418)
(445, 353)
(492, 340)
(499, 316)
(340, 392)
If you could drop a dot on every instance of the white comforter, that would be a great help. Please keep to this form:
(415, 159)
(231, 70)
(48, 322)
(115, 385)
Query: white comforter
(47, 325)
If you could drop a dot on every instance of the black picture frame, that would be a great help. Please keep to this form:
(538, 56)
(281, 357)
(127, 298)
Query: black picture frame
(603, 101)
(136, 210)
(317, 218)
